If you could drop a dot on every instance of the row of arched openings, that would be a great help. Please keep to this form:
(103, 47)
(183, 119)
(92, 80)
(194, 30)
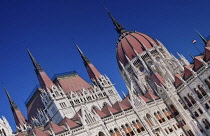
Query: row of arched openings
(88, 98)
(200, 92)
(189, 100)
(128, 130)
(207, 82)
(159, 116)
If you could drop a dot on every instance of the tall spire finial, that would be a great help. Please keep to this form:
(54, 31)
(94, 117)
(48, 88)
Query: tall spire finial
(118, 27)
(91, 69)
(191, 55)
(12, 103)
(44, 80)
(84, 58)
(35, 63)
(202, 38)
(20, 120)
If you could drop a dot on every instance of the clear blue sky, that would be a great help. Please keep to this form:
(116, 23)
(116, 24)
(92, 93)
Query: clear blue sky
(51, 27)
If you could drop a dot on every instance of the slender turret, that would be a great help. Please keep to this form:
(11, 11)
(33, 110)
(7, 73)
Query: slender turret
(44, 80)
(20, 120)
(91, 69)
(202, 38)
(118, 27)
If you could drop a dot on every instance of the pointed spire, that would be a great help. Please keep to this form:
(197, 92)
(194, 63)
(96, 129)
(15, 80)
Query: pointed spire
(20, 120)
(91, 69)
(35, 63)
(84, 58)
(12, 103)
(191, 55)
(202, 38)
(118, 27)
(44, 80)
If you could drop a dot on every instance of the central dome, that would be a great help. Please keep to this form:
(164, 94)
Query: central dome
(129, 42)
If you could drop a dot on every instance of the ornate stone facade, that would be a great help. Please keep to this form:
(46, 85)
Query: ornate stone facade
(166, 95)
(5, 129)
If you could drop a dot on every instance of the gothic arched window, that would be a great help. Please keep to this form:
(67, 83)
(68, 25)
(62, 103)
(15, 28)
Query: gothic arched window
(198, 93)
(202, 90)
(208, 83)
(174, 110)
(206, 123)
(188, 102)
(161, 117)
(127, 130)
(196, 114)
(149, 120)
(190, 133)
(101, 134)
(117, 133)
(191, 99)
(207, 106)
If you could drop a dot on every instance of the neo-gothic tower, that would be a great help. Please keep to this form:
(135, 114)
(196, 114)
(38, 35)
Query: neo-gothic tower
(145, 63)
(60, 103)
(163, 94)
(53, 97)
(20, 120)
(99, 80)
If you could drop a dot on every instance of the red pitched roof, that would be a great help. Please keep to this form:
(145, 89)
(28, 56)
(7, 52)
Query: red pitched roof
(144, 98)
(187, 71)
(107, 109)
(126, 102)
(118, 106)
(207, 53)
(70, 123)
(100, 113)
(76, 116)
(197, 62)
(158, 79)
(55, 128)
(178, 80)
(150, 95)
(38, 132)
(72, 82)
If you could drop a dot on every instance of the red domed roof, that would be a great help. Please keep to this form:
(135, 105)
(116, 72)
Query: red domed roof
(130, 41)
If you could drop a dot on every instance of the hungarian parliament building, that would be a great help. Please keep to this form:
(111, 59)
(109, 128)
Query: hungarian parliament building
(167, 96)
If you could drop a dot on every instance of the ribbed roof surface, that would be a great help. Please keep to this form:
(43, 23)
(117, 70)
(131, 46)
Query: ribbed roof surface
(130, 41)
